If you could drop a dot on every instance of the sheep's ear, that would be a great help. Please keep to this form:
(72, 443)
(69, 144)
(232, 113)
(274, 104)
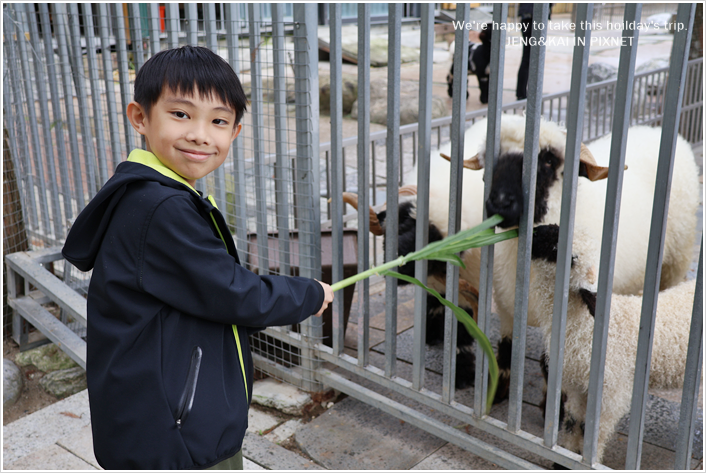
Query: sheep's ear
(588, 167)
(409, 189)
(473, 163)
(375, 227)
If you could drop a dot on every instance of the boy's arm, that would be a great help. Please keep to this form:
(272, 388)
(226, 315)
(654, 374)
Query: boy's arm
(184, 264)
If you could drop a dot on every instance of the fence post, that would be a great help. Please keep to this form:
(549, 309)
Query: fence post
(655, 252)
(621, 123)
(306, 80)
(574, 135)
(363, 173)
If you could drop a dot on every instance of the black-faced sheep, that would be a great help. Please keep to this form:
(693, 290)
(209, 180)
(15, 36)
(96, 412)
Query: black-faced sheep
(636, 211)
(436, 278)
(478, 63)
(671, 337)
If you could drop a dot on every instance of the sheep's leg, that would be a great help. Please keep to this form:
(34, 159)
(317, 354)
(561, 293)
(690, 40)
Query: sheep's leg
(544, 365)
(574, 420)
(504, 362)
(465, 356)
(465, 359)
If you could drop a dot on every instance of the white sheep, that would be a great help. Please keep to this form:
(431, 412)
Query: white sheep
(635, 215)
(636, 207)
(669, 349)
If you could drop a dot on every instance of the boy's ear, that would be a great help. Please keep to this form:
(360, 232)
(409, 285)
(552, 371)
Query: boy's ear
(236, 131)
(137, 116)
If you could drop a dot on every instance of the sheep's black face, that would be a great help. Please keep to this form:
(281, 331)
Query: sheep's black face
(407, 230)
(506, 197)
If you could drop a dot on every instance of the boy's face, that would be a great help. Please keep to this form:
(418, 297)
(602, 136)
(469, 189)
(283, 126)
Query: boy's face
(188, 134)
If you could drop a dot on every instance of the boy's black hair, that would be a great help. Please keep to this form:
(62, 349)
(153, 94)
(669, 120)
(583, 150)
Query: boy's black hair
(182, 69)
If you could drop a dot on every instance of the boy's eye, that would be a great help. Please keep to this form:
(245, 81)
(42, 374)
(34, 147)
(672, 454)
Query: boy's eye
(220, 121)
(180, 114)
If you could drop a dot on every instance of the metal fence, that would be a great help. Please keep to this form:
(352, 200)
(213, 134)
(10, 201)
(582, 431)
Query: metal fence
(65, 130)
(64, 94)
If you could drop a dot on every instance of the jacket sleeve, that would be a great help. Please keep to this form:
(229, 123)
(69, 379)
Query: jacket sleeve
(184, 264)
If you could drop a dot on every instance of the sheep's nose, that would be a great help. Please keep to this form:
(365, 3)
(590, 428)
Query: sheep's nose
(505, 204)
(501, 201)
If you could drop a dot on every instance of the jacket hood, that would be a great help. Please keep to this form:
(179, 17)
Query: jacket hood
(86, 234)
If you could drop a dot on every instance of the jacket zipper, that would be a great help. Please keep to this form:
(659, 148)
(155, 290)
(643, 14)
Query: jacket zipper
(186, 401)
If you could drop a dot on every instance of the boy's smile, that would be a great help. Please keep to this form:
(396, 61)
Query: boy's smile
(191, 135)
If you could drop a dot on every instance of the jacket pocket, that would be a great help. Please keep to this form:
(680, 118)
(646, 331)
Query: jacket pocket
(186, 401)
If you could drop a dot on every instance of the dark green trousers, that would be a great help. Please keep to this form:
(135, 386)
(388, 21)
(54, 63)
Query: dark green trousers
(233, 463)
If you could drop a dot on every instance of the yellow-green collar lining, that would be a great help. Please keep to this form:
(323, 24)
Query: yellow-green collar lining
(150, 160)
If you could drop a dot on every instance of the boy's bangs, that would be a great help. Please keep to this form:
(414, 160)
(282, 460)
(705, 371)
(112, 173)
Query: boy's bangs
(211, 82)
(186, 68)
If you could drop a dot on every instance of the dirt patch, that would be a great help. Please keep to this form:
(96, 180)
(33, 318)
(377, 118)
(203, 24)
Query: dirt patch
(33, 397)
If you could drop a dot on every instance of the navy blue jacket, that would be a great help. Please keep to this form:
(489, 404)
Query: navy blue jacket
(169, 376)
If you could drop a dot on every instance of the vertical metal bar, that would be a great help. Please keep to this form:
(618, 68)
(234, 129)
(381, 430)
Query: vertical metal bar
(14, 123)
(192, 23)
(138, 49)
(32, 115)
(123, 73)
(655, 251)
(363, 173)
(60, 33)
(423, 169)
(524, 247)
(154, 22)
(241, 224)
(258, 127)
(172, 24)
(80, 85)
(281, 176)
(95, 94)
(393, 169)
(209, 20)
(58, 122)
(575, 113)
(621, 123)
(41, 82)
(492, 151)
(692, 374)
(115, 142)
(336, 61)
(306, 84)
(219, 179)
(458, 128)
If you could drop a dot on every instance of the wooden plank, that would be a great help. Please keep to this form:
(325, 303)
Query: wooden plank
(50, 326)
(39, 277)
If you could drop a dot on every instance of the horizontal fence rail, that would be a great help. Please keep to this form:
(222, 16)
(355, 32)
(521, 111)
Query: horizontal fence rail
(69, 72)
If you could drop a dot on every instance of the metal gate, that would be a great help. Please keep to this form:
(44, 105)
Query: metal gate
(66, 81)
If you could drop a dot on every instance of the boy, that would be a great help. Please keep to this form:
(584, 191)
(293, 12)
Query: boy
(169, 375)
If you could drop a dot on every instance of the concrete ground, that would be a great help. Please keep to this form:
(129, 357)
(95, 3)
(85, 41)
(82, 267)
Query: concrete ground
(349, 434)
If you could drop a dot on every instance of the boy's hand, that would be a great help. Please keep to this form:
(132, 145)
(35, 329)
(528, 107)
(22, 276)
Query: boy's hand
(328, 298)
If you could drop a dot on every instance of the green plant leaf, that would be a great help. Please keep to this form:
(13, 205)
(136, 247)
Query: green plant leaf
(470, 326)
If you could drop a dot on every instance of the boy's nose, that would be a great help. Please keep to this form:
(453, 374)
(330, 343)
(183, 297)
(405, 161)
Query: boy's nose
(197, 135)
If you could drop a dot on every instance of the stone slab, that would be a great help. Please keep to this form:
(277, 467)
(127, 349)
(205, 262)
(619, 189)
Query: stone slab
(52, 457)
(44, 428)
(281, 396)
(284, 431)
(273, 457)
(250, 465)
(81, 445)
(259, 421)
(662, 425)
(451, 457)
(354, 435)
